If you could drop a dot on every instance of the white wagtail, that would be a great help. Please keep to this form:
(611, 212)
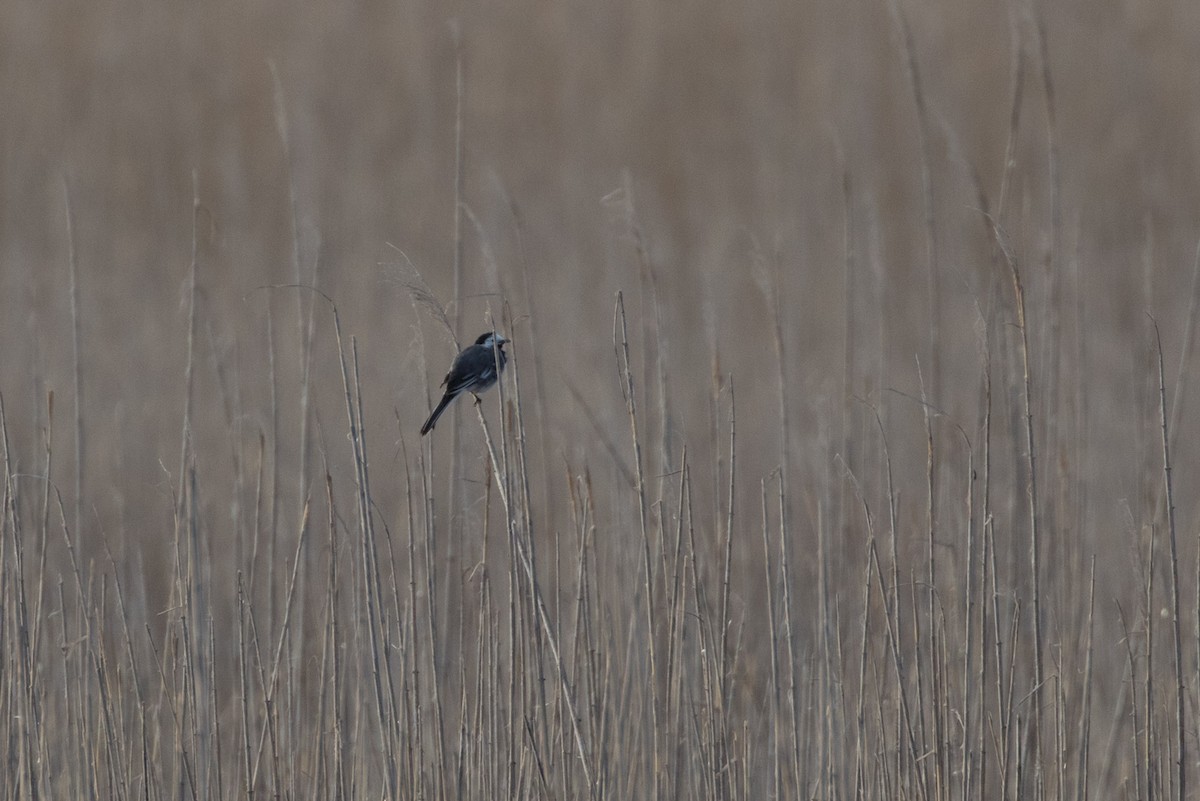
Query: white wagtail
(474, 370)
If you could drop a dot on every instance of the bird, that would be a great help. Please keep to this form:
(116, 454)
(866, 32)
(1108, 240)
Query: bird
(475, 369)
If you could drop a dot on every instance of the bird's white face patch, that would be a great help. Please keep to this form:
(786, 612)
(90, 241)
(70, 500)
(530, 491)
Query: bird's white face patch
(493, 340)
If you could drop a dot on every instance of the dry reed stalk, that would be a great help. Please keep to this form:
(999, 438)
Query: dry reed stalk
(25, 778)
(73, 264)
(789, 631)
(456, 232)
(1085, 717)
(920, 105)
(304, 320)
(860, 729)
(676, 608)
(860, 779)
(773, 702)
(502, 468)
(1032, 486)
(1150, 743)
(725, 620)
(1176, 606)
(624, 368)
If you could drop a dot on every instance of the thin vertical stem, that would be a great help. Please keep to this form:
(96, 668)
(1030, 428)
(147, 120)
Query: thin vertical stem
(1180, 695)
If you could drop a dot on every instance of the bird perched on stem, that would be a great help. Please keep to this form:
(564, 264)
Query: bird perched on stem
(475, 369)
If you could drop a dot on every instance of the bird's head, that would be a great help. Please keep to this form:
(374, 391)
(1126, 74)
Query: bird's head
(491, 339)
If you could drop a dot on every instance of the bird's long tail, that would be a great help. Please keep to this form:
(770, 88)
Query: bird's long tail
(433, 418)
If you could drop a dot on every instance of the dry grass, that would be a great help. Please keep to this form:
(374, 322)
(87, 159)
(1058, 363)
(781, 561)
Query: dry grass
(845, 449)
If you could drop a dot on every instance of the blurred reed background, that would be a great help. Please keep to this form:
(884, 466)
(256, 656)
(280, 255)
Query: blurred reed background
(804, 562)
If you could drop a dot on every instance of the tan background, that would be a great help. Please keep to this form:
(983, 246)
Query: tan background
(757, 138)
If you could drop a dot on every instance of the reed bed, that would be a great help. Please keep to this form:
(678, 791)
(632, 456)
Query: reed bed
(844, 449)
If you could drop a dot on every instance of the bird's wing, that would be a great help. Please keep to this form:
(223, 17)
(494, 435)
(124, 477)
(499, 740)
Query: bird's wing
(468, 380)
(473, 367)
